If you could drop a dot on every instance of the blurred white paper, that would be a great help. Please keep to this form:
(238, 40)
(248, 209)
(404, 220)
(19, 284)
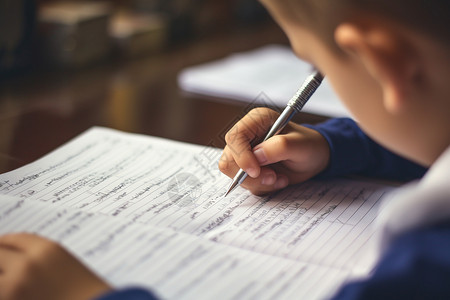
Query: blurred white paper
(272, 71)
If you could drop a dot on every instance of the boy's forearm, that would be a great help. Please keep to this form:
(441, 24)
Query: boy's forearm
(353, 152)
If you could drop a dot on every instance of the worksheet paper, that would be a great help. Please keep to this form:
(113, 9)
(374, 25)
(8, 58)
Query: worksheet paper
(147, 211)
(269, 75)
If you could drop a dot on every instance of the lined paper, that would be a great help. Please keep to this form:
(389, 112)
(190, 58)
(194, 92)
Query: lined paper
(175, 265)
(164, 201)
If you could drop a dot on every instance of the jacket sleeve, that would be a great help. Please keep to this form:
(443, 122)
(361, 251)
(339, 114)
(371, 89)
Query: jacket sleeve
(353, 152)
(415, 266)
(132, 293)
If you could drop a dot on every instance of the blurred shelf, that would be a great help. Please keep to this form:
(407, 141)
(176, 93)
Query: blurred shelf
(42, 110)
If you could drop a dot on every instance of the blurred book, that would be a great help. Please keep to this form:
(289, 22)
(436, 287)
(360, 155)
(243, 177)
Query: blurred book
(272, 71)
(135, 34)
(74, 33)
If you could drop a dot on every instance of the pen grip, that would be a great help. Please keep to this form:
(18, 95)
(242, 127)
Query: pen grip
(296, 103)
(305, 91)
(281, 122)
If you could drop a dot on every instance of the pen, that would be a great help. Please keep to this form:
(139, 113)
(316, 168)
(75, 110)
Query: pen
(294, 106)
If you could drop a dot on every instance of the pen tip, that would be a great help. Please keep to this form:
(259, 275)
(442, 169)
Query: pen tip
(233, 185)
(226, 194)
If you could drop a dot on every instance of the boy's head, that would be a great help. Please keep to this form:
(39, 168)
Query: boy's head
(388, 61)
(323, 16)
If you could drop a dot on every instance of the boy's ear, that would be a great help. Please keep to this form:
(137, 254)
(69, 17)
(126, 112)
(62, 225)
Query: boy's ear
(387, 55)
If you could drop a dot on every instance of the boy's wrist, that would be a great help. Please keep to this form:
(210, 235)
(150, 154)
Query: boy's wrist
(336, 132)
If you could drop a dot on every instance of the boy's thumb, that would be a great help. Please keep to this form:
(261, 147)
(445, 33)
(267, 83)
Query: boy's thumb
(270, 151)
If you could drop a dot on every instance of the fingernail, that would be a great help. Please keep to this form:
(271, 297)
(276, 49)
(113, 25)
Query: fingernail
(260, 156)
(252, 172)
(269, 179)
(282, 182)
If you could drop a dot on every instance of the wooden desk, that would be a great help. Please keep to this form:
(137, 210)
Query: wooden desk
(40, 112)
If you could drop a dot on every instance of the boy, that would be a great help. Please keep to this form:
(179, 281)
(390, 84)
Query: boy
(389, 63)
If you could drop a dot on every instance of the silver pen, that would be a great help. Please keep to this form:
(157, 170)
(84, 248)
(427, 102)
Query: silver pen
(294, 106)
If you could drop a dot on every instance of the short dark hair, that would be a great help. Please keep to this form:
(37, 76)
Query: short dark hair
(430, 17)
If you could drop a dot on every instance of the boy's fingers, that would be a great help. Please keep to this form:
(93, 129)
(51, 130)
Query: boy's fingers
(227, 165)
(267, 182)
(252, 126)
(270, 180)
(21, 241)
(240, 149)
(240, 138)
(11, 241)
(7, 257)
(231, 161)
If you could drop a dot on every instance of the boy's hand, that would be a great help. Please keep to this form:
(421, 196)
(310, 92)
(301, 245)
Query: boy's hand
(32, 267)
(295, 155)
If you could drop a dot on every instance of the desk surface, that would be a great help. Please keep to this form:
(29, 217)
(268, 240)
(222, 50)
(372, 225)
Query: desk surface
(40, 112)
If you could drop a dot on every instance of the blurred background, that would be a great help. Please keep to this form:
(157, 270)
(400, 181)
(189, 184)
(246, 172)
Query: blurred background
(68, 66)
